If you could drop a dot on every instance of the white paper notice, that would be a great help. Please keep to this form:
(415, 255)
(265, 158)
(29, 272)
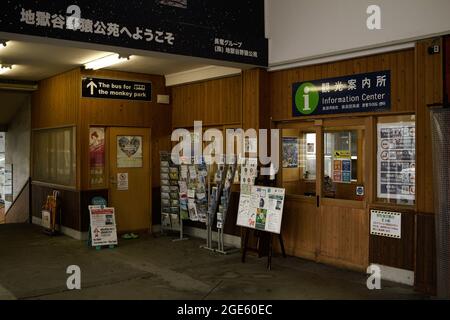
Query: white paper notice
(122, 181)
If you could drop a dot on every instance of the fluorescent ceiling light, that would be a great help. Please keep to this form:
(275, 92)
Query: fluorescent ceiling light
(105, 62)
(5, 68)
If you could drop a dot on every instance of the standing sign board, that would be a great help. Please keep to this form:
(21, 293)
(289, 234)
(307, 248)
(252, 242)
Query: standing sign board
(367, 92)
(103, 226)
(262, 209)
(397, 161)
(227, 30)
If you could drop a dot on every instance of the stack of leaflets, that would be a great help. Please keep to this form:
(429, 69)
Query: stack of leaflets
(169, 193)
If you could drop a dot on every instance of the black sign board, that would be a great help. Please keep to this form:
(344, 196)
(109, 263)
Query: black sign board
(116, 89)
(229, 30)
(366, 92)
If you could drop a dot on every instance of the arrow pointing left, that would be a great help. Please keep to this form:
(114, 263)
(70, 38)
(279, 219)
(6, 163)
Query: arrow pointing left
(91, 85)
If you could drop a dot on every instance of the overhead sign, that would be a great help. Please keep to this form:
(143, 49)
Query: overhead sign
(386, 224)
(262, 209)
(103, 226)
(116, 89)
(229, 30)
(367, 92)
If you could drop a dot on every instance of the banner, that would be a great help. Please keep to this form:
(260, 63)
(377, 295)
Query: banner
(228, 30)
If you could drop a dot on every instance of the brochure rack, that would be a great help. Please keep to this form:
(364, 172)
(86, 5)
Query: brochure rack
(170, 196)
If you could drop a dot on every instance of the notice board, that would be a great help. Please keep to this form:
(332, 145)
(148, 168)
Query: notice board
(262, 209)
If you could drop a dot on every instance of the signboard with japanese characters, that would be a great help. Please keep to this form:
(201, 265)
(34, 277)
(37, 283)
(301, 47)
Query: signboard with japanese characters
(116, 89)
(397, 161)
(196, 28)
(367, 92)
(103, 226)
(342, 166)
(386, 224)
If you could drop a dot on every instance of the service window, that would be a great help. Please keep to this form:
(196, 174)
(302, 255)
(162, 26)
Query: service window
(343, 164)
(299, 150)
(396, 160)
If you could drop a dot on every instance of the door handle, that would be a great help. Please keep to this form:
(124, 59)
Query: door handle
(318, 201)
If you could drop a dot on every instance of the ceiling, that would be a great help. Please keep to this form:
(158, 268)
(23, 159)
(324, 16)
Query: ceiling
(36, 61)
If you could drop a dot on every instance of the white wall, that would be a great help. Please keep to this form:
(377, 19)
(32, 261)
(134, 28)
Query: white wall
(306, 29)
(18, 147)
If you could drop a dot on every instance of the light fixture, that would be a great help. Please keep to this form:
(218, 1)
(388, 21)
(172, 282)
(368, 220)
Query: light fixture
(105, 62)
(5, 68)
(3, 43)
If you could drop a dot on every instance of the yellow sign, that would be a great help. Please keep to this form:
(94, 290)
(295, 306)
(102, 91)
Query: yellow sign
(342, 154)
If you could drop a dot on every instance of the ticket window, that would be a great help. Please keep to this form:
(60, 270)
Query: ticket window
(343, 164)
(299, 161)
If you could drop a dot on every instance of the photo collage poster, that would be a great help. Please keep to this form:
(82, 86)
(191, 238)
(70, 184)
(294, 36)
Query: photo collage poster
(129, 152)
(262, 209)
(291, 152)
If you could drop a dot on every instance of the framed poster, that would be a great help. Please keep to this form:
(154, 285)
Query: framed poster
(97, 156)
(396, 159)
(129, 152)
(262, 209)
(290, 152)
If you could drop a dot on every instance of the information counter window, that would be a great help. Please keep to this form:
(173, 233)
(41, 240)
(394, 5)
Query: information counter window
(299, 158)
(343, 161)
(396, 160)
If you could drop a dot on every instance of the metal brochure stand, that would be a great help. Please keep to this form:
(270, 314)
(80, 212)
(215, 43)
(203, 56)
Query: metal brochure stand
(225, 204)
(180, 216)
(214, 193)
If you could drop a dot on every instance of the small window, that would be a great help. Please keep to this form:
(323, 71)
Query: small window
(343, 161)
(54, 156)
(299, 161)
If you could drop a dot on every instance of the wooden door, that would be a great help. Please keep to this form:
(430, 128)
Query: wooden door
(344, 218)
(130, 178)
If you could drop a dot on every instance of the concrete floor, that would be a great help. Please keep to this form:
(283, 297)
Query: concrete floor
(33, 266)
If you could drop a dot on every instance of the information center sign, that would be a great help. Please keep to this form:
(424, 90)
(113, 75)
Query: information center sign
(367, 92)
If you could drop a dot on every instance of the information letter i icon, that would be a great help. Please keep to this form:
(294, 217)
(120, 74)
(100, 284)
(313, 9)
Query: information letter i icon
(306, 99)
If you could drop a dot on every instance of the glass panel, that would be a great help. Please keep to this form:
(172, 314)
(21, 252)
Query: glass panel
(54, 156)
(343, 154)
(396, 160)
(299, 161)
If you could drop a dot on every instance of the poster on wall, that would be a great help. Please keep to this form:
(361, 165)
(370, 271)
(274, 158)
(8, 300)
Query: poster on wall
(97, 156)
(262, 209)
(397, 161)
(103, 226)
(129, 152)
(386, 224)
(290, 152)
(342, 166)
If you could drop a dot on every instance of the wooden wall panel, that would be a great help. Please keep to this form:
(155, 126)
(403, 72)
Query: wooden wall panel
(429, 91)
(126, 113)
(344, 237)
(216, 102)
(425, 266)
(299, 228)
(255, 103)
(397, 253)
(400, 63)
(57, 102)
